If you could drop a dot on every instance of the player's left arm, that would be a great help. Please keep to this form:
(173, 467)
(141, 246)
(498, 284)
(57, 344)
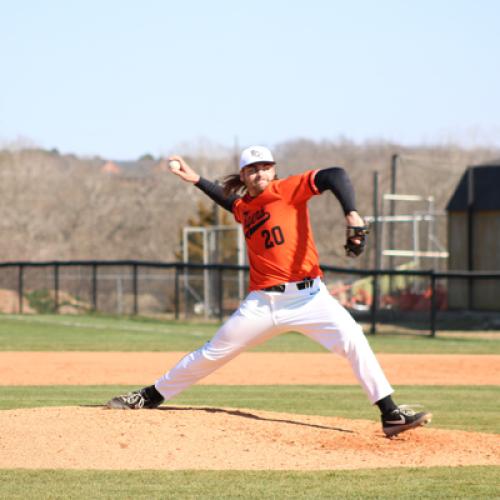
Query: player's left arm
(336, 180)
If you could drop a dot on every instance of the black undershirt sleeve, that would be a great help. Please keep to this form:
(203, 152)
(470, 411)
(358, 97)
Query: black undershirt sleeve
(216, 193)
(337, 181)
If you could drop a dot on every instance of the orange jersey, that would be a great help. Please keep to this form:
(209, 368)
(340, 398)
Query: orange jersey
(278, 232)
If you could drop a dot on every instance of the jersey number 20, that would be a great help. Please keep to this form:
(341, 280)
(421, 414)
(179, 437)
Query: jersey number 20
(273, 237)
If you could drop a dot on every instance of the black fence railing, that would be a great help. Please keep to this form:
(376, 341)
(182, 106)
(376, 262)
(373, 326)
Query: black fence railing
(399, 297)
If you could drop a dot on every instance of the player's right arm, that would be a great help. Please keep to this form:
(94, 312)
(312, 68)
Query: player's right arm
(337, 181)
(211, 189)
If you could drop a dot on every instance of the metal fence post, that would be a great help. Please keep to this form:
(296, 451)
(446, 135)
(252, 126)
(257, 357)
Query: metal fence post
(135, 288)
(374, 308)
(56, 288)
(378, 255)
(187, 277)
(176, 291)
(433, 304)
(220, 295)
(20, 287)
(392, 212)
(94, 287)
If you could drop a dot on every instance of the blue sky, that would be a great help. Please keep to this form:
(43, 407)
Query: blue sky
(123, 78)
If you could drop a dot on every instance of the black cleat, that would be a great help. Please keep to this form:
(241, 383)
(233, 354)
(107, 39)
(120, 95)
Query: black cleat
(403, 419)
(146, 398)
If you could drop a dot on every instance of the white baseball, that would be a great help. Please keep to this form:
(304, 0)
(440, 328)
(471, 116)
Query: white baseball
(174, 165)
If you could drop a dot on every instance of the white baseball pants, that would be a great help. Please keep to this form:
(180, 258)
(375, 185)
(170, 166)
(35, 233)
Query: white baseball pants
(263, 315)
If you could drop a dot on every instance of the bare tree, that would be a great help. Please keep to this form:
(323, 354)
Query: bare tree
(62, 207)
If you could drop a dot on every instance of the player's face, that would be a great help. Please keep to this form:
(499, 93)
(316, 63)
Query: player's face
(257, 176)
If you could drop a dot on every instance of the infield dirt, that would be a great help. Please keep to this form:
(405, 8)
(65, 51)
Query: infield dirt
(143, 368)
(175, 437)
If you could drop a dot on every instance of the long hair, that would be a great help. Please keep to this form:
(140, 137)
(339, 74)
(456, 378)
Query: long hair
(232, 185)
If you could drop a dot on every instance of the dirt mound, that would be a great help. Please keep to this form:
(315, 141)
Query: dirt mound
(173, 438)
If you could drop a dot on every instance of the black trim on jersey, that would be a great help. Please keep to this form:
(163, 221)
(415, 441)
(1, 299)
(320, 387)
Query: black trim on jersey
(337, 181)
(312, 184)
(216, 193)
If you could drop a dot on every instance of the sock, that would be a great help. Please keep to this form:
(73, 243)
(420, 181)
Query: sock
(152, 394)
(386, 405)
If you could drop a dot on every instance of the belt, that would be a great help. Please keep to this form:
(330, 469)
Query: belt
(301, 285)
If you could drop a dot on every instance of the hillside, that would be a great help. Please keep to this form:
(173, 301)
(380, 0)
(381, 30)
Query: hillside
(64, 207)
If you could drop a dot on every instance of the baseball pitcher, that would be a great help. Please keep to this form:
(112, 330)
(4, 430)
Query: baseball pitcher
(286, 290)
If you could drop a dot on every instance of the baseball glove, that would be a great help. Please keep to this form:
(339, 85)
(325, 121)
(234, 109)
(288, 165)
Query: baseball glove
(355, 240)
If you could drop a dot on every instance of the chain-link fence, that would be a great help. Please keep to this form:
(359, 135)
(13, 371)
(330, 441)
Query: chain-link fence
(424, 301)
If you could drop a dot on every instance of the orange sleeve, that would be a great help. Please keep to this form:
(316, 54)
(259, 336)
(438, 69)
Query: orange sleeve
(236, 210)
(298, 188)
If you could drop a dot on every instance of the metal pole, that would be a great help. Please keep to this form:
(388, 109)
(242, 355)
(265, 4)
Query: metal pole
(213, 279)
(392, 212)
(416, 243)
(206, 276)
(433, 304)
(56, 288)
(392, 205)
(374, 309)
(430, 232)
(216, 244)
(241, 236)
(94, 287)
(378, 225)
(241, 262)
(176, 300)
(20, 287)
(135, 288)
(221, 295)
(375, 282)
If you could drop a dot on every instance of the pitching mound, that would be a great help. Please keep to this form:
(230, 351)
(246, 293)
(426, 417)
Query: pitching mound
(219, 438)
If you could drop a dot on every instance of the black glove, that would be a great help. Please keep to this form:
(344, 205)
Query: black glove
(355, 240)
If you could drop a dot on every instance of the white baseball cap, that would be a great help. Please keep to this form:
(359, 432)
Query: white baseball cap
(255, 154)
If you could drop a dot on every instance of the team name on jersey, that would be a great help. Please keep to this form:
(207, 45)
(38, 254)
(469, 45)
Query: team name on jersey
(254, 220)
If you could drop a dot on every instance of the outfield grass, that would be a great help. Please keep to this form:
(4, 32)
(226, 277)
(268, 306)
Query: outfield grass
(438, 482)
(465, 408)
(95, 333)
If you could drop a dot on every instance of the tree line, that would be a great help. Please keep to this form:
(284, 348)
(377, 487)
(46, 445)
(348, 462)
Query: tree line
(62, 207)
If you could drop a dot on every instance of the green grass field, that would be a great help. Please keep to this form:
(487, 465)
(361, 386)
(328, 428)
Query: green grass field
(410, 483)
(460, 407)
(94, 333)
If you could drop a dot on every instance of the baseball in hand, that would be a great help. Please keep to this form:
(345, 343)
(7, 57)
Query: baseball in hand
(174, 165)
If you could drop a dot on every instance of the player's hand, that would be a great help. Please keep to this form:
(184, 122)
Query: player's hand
(356, 233)
(354, 219)
(185, 172)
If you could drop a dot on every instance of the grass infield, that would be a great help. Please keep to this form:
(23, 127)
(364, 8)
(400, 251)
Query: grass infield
(437, 482)
(459, 407)
(95, 333)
